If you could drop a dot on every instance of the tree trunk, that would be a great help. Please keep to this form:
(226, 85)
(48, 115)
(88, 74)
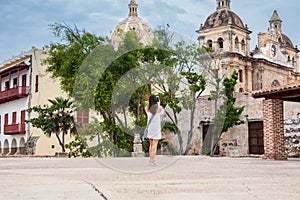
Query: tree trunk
(216, 105)
(190, 133)
(180, 143)
(98, 151)
(178, 134)
(63, 141)
(60, 142)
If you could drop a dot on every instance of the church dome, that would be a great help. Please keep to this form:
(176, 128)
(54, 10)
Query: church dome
(132, 23)
(286, 41)
(223, 17)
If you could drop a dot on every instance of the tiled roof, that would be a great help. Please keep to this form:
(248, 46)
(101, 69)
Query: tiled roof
(291, 86)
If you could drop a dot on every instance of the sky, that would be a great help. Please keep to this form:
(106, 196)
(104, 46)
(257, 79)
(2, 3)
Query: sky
(25, 23)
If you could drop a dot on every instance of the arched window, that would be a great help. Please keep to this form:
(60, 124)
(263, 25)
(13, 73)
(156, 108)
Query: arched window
(293, 61)
(241, 90)
(275, 83)
(236, 44)
(289, 59)
(220, 42)
(240, 75)
(5, 147)
(209, 43)
(243, 45)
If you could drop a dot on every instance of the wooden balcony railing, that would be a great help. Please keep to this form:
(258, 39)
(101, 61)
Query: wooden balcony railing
(13, 129)
(13, 93)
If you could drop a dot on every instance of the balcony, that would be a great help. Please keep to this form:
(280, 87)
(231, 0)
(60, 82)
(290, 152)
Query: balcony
(14, 93)
(14, 129)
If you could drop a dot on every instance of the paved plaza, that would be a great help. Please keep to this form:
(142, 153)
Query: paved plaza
(195, 177)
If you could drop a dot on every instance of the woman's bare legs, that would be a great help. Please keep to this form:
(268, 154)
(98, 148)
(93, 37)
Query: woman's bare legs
(152, 150)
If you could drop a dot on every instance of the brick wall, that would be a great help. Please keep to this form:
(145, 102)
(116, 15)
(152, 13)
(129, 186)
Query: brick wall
(273, 129)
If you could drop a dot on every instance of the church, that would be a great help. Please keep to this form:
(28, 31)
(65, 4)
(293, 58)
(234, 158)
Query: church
(274, 62)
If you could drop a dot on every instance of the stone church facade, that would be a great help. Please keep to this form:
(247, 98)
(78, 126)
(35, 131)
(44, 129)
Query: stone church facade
(273, 62)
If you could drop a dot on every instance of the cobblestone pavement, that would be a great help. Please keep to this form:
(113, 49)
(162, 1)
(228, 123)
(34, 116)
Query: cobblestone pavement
(180, 178)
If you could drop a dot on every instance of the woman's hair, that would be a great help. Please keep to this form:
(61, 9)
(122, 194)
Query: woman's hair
(153, 106)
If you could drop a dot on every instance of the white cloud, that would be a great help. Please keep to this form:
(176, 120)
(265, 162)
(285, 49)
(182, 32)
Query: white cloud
(25, 23)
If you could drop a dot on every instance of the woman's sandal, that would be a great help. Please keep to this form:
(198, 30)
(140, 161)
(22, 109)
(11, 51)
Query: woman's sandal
(152, 163)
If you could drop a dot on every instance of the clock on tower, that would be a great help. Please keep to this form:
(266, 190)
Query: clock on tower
(273, 50)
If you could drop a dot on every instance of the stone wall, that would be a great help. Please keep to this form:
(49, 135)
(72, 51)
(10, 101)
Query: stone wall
(235, 141)
(292, 128)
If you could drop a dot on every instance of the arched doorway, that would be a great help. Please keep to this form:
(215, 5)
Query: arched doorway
(0, 148)
(13, 149)
(22, 149)
(5, 147)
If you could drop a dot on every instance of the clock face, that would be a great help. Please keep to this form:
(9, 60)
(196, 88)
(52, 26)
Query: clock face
(273, 51)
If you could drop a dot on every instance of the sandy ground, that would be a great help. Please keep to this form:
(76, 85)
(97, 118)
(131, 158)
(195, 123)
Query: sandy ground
(175, 178)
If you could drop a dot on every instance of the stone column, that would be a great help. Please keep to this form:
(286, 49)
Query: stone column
(137, 146)
(273, 130)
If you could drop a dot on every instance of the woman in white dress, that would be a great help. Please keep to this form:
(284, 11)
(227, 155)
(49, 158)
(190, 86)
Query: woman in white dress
(154, 112)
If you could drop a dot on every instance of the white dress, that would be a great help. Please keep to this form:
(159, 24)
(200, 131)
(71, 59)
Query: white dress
(154, 128)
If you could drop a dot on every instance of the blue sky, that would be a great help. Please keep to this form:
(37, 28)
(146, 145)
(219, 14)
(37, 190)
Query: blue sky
(24, 23)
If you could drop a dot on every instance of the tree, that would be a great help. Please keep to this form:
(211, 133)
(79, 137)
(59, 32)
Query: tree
(55, 119)
(227, 115)
(89, 69)
(78, 148)
(66, 56)
(183, 88)
(93, 132)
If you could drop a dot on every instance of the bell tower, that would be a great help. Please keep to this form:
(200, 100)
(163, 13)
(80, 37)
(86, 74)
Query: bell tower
(275, 22)
(224, 31)
(274, 45)
(133, 7)
(223, 4)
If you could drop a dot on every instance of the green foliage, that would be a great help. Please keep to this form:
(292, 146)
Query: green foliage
(92, 87)
(167, 98)
(66, 57)
(227, 114)
(78, 148)
(197, 82)
(188, 61)
(103, 145)
(55, 119)
(232, 113)
(171, 127)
